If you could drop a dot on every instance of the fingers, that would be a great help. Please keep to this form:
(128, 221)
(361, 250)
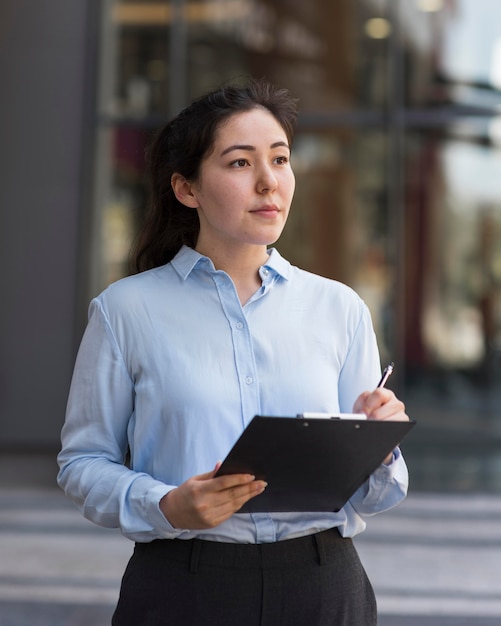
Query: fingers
(233, 491)
(360, 405)
(232, 498)
(381, 404)
(204, 501)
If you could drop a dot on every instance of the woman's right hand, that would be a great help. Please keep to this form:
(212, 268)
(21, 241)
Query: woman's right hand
(205, 501)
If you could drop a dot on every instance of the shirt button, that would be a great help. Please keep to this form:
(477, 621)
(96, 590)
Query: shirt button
(239, 325)
(265, 272)
(249, 380)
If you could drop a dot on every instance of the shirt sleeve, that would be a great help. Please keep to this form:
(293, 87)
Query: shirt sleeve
(385, 488)
(388, 485)
(94, 441)
(362, 367)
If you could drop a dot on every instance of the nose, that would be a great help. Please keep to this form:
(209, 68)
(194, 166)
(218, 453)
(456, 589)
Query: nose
(266, 180)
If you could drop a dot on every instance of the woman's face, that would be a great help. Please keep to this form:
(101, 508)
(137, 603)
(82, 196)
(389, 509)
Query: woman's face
(245, 186)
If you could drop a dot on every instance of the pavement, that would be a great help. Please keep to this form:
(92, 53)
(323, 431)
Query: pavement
(434, 561)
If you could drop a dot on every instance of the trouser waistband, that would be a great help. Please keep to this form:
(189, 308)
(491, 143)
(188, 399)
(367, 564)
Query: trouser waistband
(319, 547)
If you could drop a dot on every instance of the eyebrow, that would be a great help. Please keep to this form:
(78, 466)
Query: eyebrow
(250, 148)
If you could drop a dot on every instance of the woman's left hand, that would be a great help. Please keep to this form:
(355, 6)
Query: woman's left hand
(381, 404)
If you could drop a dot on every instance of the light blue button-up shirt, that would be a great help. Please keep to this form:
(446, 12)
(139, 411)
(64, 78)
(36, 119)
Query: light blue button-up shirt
(172, 368)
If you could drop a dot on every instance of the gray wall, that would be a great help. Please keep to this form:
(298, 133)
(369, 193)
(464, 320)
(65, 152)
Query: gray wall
(42, 63)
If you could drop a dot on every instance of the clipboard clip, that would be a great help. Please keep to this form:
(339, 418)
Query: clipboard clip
(332, 416)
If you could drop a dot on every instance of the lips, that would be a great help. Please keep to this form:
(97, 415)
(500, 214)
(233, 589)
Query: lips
(267, 210)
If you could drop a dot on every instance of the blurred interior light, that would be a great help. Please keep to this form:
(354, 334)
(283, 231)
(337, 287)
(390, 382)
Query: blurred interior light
(495, 131)
(146, 13)
(378, 28)
(495, 71)
(154, 14)
(430, 6)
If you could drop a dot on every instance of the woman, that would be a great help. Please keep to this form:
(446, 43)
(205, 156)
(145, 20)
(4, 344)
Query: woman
(177, 359)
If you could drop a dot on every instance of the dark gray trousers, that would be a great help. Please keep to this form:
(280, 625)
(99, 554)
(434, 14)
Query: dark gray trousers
(311, 581)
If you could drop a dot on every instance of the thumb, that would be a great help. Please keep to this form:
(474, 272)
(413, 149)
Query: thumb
(359, 406)
(211, 474)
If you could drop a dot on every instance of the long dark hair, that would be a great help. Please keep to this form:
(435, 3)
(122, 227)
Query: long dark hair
(180, 147)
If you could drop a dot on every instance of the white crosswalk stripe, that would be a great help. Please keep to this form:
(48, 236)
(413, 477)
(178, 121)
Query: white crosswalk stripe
(434, 555)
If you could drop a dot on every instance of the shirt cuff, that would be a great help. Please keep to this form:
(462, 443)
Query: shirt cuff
(163, 528)
(396, 455)
(395, 471)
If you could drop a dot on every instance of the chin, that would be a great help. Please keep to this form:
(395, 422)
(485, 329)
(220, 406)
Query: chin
(269, 239)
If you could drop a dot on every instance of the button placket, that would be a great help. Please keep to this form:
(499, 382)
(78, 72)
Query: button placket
(242, 346)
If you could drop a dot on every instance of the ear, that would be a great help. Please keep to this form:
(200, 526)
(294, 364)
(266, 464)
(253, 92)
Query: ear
(183, 190)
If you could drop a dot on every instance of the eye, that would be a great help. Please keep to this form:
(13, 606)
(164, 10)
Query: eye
(281, 160)
(239, 163)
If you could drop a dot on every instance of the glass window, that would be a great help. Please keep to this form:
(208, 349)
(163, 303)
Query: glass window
(453, 303)
(453, 52)
(135, 39)
(396, 158)
(330, 55)
(120, 195)
(156, 56)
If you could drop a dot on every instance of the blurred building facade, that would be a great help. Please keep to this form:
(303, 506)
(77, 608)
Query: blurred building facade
(398, 166)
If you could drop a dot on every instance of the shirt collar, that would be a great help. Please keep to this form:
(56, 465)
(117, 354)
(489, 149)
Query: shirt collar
(187, 259)
(277, 264)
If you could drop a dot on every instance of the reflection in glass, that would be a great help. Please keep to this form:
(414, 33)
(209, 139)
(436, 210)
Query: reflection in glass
(397, 160)
(453, 52)
(453, 330)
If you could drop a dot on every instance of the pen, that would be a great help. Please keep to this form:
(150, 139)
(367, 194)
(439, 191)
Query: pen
(386, 374)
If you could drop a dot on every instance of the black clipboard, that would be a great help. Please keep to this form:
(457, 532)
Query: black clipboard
(310, 464)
